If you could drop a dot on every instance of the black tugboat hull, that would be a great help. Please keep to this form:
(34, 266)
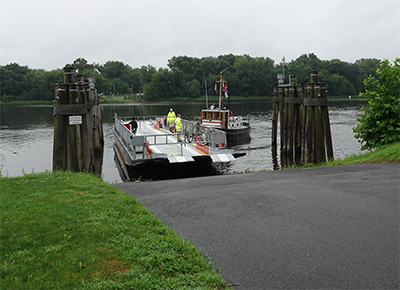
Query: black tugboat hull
(238, 136)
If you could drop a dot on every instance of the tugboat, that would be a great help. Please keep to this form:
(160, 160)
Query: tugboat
(236, 129)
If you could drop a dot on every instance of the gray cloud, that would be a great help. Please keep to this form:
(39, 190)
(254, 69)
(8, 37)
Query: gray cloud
(50, 33)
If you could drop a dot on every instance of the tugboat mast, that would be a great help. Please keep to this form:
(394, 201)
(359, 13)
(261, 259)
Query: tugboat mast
(221, 83)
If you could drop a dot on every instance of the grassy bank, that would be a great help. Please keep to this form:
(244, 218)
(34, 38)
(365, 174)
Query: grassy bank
(389, 153)
(63, 230)
(120, 99)
(385, 154)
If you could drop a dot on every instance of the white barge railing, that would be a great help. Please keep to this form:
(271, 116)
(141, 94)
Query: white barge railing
(192, 132)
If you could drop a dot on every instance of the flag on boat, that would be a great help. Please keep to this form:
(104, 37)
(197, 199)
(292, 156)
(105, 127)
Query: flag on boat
(226, 90)
(216, 89)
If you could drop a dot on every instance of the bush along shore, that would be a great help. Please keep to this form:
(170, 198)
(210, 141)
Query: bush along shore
(64, 230)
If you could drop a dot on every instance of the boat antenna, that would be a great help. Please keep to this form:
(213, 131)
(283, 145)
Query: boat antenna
(220, 89)
(205, 84)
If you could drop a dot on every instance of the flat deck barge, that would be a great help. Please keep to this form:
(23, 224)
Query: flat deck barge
(155, 153)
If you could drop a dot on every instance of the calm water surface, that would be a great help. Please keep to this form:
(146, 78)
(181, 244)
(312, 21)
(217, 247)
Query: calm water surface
(26, 133)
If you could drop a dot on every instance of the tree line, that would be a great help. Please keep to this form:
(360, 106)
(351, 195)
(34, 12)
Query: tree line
(189, 77)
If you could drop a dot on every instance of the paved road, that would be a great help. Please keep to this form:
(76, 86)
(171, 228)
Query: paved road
(322, 228)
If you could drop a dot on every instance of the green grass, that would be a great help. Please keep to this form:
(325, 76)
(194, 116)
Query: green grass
(389, 153)
(384, 154)
(108, 99)
(27, 103)
(63, 230)
(345, 97)
(118, 99)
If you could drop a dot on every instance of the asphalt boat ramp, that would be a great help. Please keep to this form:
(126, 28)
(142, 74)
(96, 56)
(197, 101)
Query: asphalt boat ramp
(318, 228)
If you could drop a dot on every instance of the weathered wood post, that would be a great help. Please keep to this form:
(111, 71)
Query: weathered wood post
(295, 104)
(304, 122)
(86, 154)
(309, 132)
(60, 127)
(326, 125)
(317, 128)
(275, 108)
(286, 125)
(78, 139)
(97, 131)
(281, 115)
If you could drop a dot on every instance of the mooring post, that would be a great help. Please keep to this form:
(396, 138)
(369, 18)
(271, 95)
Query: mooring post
(304, 122)
(287, 120)
(60, 127)
(281, 113)
(326, 124)
(289, 132)
(74, 128)
(319, 141)
(98, 136)
(298, 102)
(295, 121)
(85, 126)
(319, 132)
(309, 123)
(275, 116)
(74, 149)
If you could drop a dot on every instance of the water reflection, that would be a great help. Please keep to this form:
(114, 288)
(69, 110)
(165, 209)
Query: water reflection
(26, 133)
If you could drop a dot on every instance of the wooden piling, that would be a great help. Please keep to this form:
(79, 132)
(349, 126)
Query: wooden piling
(304, 122)
(286, 125)
(295, 104)
(73, 148)
(319, 133)
(60, 126)
(281, 115)
(326, 125)
(79, 143)
(275, 117)
(319, 141)
(86, 137)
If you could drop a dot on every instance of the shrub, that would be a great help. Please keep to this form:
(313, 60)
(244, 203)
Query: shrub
(379, 124)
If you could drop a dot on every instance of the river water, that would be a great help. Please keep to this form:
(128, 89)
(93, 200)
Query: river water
(26, 133)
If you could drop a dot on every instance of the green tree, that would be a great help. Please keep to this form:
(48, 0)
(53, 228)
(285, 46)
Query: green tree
(12, 81)
(104, 85)
(379, 123)
(192, 89)
(146, 74)
(51, 79)
(119, 86)
(116, 70)
(81, 65)
(336, 84)
(157, 88)
(366, 67)
(302, 66)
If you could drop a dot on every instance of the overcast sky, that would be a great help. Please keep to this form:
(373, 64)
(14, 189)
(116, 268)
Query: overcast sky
(51, 33)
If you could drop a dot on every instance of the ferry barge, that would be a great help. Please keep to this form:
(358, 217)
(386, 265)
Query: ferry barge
(155, 153)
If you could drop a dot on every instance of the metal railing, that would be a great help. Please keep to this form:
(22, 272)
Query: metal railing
(192, 132)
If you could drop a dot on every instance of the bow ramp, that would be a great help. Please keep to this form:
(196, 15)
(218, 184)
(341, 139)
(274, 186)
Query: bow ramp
(156, 153)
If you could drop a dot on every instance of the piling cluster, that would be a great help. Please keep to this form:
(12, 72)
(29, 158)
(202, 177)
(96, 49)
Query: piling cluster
(305, 135)
(78, 130)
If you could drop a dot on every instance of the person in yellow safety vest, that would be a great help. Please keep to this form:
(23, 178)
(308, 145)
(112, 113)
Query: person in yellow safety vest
(178, 123)
(171, 117)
